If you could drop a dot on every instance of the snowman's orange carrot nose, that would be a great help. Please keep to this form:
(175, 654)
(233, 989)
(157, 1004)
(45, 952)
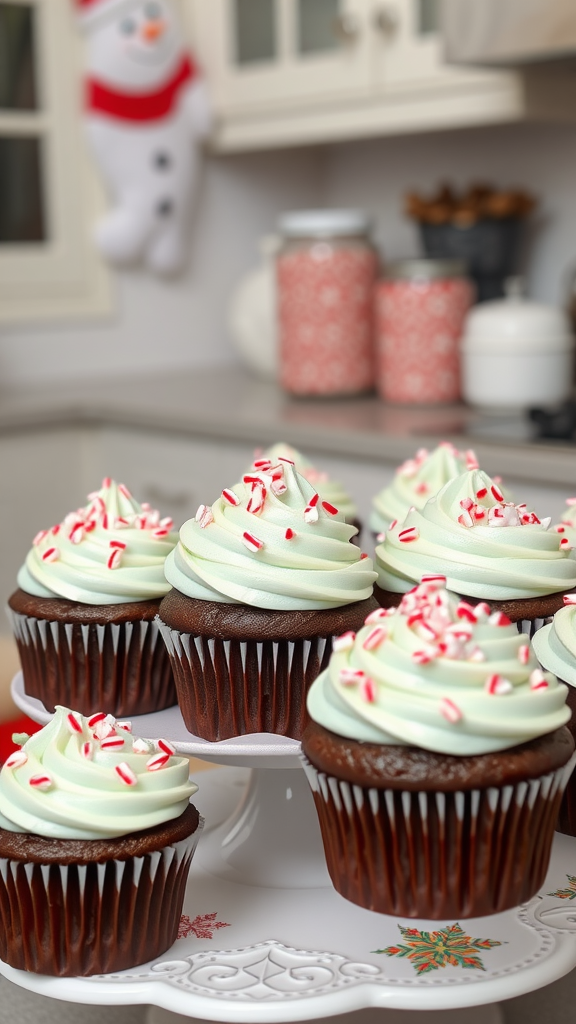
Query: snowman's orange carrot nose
(152, 30)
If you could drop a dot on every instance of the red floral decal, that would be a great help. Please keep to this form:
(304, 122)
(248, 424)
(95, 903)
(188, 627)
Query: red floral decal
(203, 926)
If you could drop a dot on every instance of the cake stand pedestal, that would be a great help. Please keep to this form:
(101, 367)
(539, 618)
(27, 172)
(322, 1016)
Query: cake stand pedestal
(265, 938)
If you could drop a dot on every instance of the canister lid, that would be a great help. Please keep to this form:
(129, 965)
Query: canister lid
(424, 269)
(516, 325)
(324, 223)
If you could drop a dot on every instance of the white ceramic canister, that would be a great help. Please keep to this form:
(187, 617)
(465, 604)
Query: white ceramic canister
(516, 354)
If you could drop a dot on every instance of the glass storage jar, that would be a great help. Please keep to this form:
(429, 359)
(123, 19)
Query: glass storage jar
(326, 272)
(421, 306)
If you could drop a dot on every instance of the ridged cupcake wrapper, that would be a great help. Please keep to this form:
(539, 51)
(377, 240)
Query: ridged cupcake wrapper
(438, 855)
(230, 688)
(78, 920)
(531, 626)
(120, 668)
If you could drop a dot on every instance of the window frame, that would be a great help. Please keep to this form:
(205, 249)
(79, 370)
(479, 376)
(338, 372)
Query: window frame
(63, 276)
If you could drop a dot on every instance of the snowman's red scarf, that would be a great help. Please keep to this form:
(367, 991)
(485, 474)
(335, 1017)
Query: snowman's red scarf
(139, 106)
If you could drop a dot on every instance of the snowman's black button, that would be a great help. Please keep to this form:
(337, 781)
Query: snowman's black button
(164, 208)
(162, 161)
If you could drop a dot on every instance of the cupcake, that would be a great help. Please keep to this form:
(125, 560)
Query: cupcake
(437, 756)
(96, 837)
(83, 615)
(329, 490)
(488, 549)
(262, 582)
(417, 480)
(555, 648)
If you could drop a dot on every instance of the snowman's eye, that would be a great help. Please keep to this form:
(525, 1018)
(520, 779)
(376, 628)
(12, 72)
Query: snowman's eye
(153, 11)
(128, 27)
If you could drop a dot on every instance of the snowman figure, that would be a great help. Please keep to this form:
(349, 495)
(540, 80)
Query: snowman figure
(147, 112)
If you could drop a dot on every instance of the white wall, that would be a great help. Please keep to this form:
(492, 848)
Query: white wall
(182, 323)
(541, 158)
(159, 324)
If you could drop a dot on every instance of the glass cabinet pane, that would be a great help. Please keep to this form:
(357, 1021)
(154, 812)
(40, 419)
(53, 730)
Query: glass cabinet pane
(254, 30)
(318, 25)
(22, 216)
(17, 73)
(428, 17)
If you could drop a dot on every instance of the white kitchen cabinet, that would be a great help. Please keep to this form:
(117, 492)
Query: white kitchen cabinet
(287, 72)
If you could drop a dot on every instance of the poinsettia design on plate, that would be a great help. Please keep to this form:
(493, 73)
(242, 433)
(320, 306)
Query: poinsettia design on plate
(569, 893)
(202, 926)
(449, 946)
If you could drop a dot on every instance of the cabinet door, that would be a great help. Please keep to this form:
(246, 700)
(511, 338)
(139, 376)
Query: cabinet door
(409, 49)
(261, 54)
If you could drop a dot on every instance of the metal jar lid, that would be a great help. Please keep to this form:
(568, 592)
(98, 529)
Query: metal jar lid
(424, 270)
(324, 223)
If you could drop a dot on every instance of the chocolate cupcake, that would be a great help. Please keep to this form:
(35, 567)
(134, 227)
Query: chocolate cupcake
(437, 757)
(330, 490)
(262, 582)
(415, 481)
(96, 838)
(487, 548)
(84, 613)
(555, 648)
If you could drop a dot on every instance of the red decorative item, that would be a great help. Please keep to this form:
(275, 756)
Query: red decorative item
(419, 323)
(326, 272)
(7, 729)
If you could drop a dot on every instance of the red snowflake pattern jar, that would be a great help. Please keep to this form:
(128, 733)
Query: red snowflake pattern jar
(421, 306)
(326, 272)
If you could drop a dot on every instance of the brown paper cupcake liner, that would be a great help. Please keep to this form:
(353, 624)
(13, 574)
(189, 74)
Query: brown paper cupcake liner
(531, 626)
(437, 855)
(230, 688)
(78, 920)
(120, 668)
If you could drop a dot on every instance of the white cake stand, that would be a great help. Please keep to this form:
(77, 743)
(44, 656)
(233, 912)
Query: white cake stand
(265, 938)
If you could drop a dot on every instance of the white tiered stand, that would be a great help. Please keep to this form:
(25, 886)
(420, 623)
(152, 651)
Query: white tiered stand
(289, 948)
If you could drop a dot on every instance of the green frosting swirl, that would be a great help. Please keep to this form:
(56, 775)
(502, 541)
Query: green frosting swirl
(304, 559)
(496, 558)
(110, 552)
(84, 797)
(444, 677)
(555, 645)
(328, 489)
(415, 481)
(568, 521)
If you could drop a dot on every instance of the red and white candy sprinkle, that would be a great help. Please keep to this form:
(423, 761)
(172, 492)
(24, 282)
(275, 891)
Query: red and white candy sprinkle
(310, 514)
(126, 774)
(253, 543)
(166, 748)
(87, 750)
(344, 642)
(204, 516)
(157, 762)
(330, 509)
(115, 558)
(376, 637)
(497, 685)
(290, 534)
(410, 534)
(72, 722)
(100, 716)
(112, 743)
(16, 760)
(450, 711)
(524, 654)
(569, 599)
(538, 680)
(51, 555)
(41, 782)
(368, 690)
(351, 676)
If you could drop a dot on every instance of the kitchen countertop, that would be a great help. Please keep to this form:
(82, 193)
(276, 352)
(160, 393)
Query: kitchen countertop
(230, 404)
